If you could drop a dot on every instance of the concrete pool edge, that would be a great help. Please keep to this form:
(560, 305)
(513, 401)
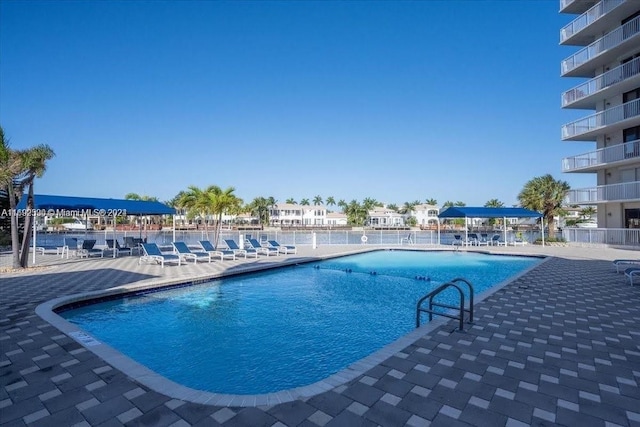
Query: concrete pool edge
(167, 387)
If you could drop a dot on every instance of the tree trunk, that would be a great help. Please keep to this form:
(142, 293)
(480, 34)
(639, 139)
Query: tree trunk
(15, 242)
(216, 231)
(28, 224)
(551, 225)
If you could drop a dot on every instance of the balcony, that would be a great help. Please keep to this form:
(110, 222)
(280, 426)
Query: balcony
(570, 34)
(601, 52)
(628, 152)
(575, 6)
(625, 77)
(611, 119)
(625, 192)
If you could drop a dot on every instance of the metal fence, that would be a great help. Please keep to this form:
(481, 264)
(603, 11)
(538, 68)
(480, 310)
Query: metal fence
(603, 236)
(293, 237)
(573, 236)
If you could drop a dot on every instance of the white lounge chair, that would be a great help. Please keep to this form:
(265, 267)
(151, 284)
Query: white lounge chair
(87, 250)
(152, 253)
(185, 253)
(208, 247)
(114, 245)
(284, 249)
(632, 272)
(233, 246)
(408, 240)
(254, 244)
(625, 263)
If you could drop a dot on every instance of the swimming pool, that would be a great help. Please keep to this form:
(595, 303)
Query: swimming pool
(285, 328)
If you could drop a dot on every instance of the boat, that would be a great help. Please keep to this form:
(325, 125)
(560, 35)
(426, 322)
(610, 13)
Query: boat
(78, 225)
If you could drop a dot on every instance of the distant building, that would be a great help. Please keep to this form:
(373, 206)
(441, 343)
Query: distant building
(384, 217)
(426, 215)
(336, 218)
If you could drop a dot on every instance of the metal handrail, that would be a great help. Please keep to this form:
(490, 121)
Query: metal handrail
(431, 295)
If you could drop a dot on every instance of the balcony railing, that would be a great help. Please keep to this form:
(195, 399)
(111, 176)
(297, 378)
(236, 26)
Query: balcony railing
(608, 41)
(611, 77)
(590, 16)
(605, 193)
(601, 119)
(616, 153)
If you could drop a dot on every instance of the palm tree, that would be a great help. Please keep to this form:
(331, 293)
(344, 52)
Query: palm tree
(343, 205)
(35, 164)
(432, 202)
(260, 207)
(494, 203)
(304, 202)
(10, 174)
(393, 207)
(317, 200)
(356, 213)
(291, 201)
(545, 195)
(330, 201)
(210, 201)
(18, 169)
(223, 201)
(197, 204)
(587, 212)
(368, 203)
(136, 196)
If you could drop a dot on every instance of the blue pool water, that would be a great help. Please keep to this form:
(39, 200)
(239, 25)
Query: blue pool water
(287, 327)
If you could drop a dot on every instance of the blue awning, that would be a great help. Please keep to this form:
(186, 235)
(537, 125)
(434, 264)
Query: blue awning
(480, 212)
(95, 206)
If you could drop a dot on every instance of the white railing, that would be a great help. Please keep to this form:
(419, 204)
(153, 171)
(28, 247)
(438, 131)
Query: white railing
(616, 153)
(605, 193)
(601, 119)
(602, 236)
(288, 237)
(608, 41)
(611, 77)
(590, 16)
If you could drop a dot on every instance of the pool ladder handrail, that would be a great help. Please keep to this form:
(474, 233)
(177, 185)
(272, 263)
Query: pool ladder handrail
(461, 308)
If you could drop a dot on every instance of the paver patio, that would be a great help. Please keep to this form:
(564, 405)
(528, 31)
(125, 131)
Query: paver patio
(560, 345)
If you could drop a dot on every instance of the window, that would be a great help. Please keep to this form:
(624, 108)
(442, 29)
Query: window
(632, 109)
(628, 135)
(632, 218)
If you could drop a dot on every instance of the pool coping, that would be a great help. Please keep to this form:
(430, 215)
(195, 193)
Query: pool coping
(167, 387)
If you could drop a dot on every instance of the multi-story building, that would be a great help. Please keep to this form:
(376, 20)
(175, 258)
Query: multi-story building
(426, 215)
(605, 70)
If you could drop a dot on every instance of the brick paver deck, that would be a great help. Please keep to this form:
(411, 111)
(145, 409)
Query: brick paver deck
(557, 346)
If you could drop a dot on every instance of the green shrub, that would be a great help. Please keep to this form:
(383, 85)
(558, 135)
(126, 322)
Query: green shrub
(550, 240)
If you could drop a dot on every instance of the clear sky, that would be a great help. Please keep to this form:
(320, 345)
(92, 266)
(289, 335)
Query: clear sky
(392, 100)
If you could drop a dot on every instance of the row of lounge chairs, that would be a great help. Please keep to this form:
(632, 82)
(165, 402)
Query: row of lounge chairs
(182, 252)
(473, 239)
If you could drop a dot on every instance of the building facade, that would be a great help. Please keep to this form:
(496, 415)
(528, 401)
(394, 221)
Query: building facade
(605, 76)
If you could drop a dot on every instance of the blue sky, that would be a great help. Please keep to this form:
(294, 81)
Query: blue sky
(392, 100)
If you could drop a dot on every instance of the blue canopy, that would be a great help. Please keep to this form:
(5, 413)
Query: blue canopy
(480, 212)
(95, 206)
